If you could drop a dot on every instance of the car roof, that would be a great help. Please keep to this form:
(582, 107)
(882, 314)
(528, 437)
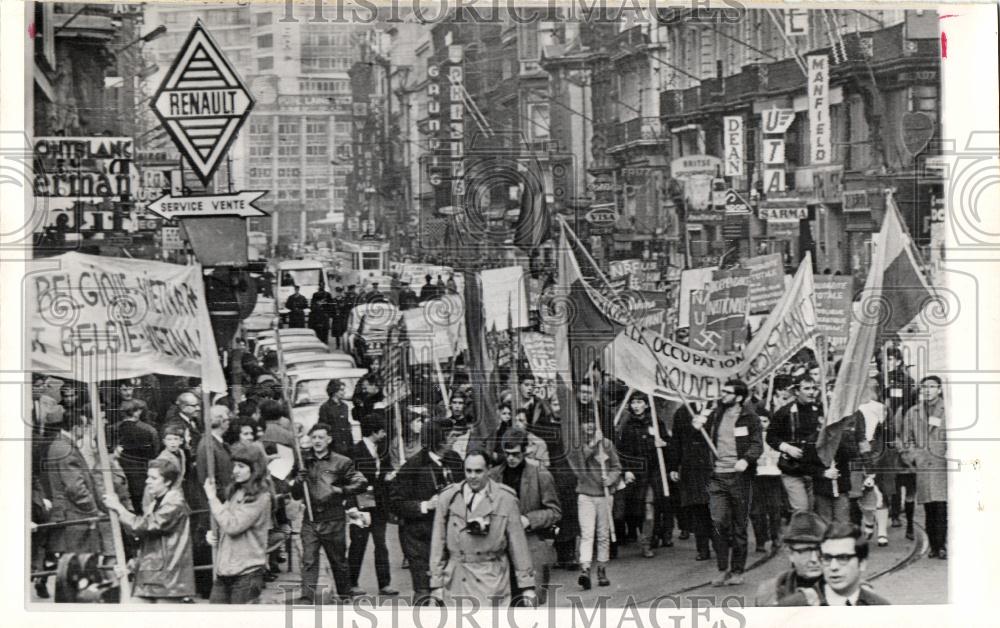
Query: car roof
(330, 373)
(300, 358)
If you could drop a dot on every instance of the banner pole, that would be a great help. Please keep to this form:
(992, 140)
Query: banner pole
(209, 461)
(621, 408)
(821, 361)
(600, 453)
(109, 487)
(283, 374)
(659, 450)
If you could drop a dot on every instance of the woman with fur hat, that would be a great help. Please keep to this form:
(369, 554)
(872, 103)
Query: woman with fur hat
(242, 522)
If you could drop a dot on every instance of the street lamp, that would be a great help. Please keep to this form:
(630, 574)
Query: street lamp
(156, 33)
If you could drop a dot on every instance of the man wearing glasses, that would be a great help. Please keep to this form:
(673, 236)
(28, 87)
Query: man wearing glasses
(844, 557)
(924, 446)
(803, 537)
(539, 502)
(735, 432)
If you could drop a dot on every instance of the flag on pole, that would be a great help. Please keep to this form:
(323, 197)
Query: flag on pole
(481, 370)
(533, 222)
(895, 293)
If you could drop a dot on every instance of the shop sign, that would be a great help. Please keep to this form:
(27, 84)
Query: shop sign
(780, 213)
(856, 201)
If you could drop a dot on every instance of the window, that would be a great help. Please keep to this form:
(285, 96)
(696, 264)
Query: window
(316, 150)
(288, 150)
(265, 41)
(260, 128)
(371, 261)
(316, 127)
(538, 121)
(260, 151)
(263, 19)
(924, 98)
(288, 127)
(320, 193)
(265, 63)
(340, 192)
(527, 41)
(341, 128)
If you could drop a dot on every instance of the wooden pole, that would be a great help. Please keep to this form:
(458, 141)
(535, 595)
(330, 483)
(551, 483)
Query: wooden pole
(770, 393)
(659, 450)
(621, 408)
(109, 487)
(283, 374)
(209, 461)
(600, 456)
(821, 361)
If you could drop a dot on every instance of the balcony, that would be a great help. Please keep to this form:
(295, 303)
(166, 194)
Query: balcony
(645, 131)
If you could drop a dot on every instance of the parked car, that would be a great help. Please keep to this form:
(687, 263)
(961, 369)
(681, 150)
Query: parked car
(303, 361)
(309, 393)
(288, 345)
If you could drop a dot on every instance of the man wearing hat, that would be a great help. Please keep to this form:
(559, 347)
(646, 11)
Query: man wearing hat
(804, 534)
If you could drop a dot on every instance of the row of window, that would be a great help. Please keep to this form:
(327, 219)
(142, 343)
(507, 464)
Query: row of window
(313, 128)
(324, 39)
(325, 86)
(217, 17)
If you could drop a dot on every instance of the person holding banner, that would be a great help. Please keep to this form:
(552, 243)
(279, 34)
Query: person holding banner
(597, 476)
(243, 520)
(165, 564)
(689, 460)
(331, 479)
(735, 432)
(637, 447)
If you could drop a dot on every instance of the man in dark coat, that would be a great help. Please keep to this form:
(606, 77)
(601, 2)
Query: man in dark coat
(690, 462)
(338, 315)
(429, 291)
(408, 299)
(319, 314)
(140, 444)
(637, 450)
(74, 494)
(900, 395)
(548, 427)
(414, 496)
(539, 502)
(297, 305)
(336, 413)
(371, 458)
(735, 431)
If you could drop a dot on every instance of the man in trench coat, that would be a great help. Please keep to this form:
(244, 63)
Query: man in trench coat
(478, 537)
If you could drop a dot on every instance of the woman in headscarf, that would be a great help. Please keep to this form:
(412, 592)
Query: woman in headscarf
(164, 568)
(243, 522)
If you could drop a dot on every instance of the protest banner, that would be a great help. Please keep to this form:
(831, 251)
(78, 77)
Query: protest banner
(767, 281)
(789, 327)
(540, 349)
(697, 374)
(727, 307)
(834, 295)
(431, 335)
(504, 298)
(139, 317)
(692, 279)
(698, 334)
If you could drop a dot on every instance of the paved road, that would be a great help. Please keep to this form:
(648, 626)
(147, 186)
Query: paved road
(675, 573)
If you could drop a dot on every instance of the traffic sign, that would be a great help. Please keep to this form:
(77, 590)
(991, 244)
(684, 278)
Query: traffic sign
(735, 203)
(202, 102)
(236, 204)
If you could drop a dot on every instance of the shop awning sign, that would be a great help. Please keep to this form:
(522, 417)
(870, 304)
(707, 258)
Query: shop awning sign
(602, 215)
(781, 213)
(202, 102)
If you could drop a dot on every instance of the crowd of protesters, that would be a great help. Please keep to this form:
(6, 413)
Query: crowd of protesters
(716, 472)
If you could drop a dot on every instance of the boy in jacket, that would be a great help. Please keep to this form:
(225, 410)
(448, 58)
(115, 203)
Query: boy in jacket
(596, 477)
(331, 478)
